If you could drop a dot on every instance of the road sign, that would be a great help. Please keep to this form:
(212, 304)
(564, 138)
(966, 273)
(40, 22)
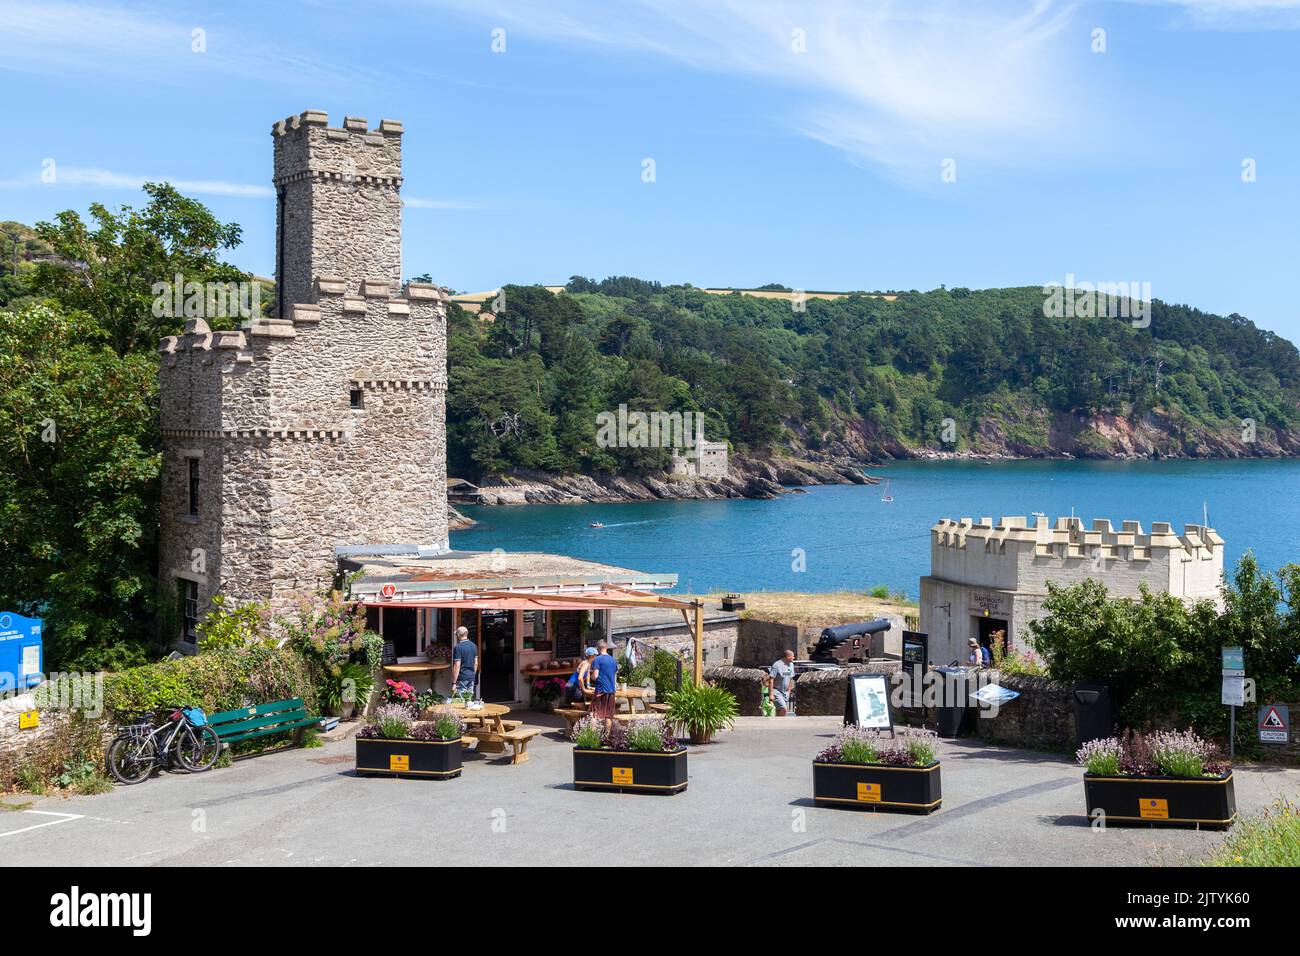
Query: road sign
(388, 590)
(1274, 724)
(1234, 691)
(1234, 662)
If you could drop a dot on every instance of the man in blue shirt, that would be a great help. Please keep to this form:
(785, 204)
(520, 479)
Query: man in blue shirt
(463, 658)
(604, 670)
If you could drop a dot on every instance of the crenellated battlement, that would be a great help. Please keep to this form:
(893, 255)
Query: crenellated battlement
(1068, 538)
(307, 147)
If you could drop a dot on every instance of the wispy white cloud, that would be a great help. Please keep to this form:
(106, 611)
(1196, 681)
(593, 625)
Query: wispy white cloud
(93, 177)
(901, 85)
(146, 40)
(75, 177)
(1233, 14)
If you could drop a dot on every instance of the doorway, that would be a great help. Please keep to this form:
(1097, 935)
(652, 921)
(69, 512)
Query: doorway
(497, 645)
(993, 634)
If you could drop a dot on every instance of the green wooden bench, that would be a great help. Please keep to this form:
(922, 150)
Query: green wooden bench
(233, 726)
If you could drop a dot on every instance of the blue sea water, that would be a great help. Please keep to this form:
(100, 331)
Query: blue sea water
(851, 539)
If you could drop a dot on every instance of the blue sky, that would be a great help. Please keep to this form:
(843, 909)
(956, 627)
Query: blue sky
(793, 142)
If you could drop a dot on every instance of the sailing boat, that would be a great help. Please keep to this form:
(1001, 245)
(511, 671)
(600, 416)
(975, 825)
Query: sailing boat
(884, 492)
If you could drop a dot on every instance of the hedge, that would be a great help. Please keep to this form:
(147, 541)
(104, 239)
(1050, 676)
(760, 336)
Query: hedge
(214, 680)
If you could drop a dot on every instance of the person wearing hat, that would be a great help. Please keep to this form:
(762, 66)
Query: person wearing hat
(975, 658)
(579, 685)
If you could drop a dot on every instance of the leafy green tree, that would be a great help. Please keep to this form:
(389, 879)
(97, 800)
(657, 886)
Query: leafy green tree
(79, 471)
(109, 267)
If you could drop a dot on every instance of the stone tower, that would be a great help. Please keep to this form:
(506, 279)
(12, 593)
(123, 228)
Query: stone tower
(300, 438)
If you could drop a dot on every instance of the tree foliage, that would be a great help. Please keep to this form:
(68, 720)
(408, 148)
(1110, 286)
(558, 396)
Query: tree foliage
(108, 268)
(1161, 657)
(79, 467)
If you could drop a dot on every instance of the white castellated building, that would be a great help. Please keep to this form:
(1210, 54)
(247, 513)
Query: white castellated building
(987, 577)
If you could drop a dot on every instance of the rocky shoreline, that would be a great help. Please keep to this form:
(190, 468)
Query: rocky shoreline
(845, 462)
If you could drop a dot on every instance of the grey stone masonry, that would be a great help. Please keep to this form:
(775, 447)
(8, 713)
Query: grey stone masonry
(338, 208)
(323, 429)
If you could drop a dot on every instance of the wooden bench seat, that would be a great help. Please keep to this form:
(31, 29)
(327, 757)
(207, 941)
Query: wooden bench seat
(279, 716)
(518, 740)
(571, 716)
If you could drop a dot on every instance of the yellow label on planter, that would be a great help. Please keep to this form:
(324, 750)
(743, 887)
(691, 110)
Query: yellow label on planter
(28, 719)
(623, 775)
(869, 792)
(1152, 809)
(399, 761)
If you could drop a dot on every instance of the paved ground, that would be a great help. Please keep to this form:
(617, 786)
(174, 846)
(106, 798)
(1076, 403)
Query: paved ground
(747, 804)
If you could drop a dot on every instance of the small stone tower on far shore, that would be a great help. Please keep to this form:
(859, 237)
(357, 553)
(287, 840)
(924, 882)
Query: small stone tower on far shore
(299, 438)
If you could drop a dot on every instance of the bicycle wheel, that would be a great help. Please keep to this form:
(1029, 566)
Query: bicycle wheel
(132, 759)
(197, 748)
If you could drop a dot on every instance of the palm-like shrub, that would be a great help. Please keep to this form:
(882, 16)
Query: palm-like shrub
(702, 709)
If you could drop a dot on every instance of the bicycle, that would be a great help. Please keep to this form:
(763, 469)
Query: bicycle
(141, 747)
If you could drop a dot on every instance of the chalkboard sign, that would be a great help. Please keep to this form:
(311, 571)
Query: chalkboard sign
(866, 704)
(568, 633)
(390, 652)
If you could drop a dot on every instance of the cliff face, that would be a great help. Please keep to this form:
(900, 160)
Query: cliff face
(1037, 433)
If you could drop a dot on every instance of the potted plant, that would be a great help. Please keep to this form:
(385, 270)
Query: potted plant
(396, 745)
(427, 703)
(641, 756)
(702, 709)
(346, 688)
(399, 692)
(1166, 778)
(866, 769)
(545, 692)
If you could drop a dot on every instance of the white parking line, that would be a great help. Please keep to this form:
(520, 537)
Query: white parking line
(63, 818)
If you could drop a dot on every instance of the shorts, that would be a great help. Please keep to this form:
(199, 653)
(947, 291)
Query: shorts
(602, 705)
(781, 699)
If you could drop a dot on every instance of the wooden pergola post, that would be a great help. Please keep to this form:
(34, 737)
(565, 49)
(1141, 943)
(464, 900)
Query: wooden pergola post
(698, 669)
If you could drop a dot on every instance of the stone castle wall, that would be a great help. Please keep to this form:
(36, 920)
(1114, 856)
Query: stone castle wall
(339, 211)
(323, 428)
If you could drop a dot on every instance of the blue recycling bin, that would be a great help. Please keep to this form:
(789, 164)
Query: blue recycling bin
(22, 656)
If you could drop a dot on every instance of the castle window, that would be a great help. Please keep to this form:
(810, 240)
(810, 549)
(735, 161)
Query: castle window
(356, 398)
(194, 485)
(189, 608)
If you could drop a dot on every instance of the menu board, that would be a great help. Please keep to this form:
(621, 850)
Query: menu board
(568, 633)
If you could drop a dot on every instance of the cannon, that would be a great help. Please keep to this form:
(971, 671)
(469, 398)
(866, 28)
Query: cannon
(847, 643)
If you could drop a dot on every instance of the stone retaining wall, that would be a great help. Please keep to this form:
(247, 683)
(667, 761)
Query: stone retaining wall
(1041, 718)
(817, 693)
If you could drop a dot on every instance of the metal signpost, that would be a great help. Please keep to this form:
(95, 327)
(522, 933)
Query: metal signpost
(1234, 690)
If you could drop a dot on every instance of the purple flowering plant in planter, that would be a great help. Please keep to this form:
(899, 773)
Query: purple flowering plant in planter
(1162, 753)
(647, 735)
(908, 747)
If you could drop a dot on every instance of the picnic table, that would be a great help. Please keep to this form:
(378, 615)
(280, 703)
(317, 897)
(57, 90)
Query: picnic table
(488, 727)
(631, 695)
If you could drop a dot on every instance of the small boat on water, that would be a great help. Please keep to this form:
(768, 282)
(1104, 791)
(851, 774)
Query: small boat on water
(595, 524)
(884, 492)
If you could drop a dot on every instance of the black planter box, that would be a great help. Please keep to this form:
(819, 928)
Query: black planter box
(409, 758)
(1163, 801)
(632, 771)
(877, 787)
